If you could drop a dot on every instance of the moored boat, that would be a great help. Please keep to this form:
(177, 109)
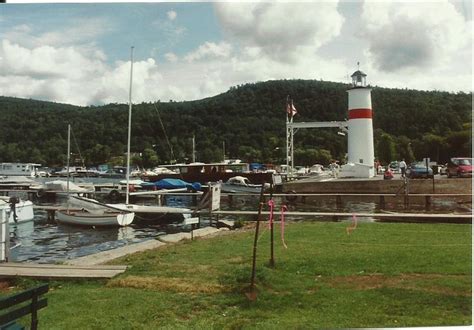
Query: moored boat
(145, 212)
(240, 184)
(22, 169)
(17, 210)
(83, 217)
(89, 212)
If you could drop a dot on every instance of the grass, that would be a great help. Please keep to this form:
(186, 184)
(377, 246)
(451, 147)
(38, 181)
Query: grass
(380, 275)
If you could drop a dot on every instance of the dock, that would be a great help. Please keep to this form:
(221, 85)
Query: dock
(330, 215)
(11, 269)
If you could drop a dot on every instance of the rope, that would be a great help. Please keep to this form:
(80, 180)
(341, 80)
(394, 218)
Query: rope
(282, 219)
(353, 226)
(78, 150)
(164, 132)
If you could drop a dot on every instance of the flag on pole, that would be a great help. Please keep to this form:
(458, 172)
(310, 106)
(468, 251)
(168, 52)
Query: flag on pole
(290, 108)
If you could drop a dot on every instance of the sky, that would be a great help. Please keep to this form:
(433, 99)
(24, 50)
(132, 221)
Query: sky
(79, 53)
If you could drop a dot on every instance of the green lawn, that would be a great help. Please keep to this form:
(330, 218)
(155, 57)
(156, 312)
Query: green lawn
(381, 275)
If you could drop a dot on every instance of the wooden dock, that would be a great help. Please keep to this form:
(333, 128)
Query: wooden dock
(389, 216)
(350, 214)
(11, 269)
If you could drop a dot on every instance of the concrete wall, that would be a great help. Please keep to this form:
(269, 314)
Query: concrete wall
(360, 186)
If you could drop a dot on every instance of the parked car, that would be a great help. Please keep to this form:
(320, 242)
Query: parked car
(419, 170)
(394, 166)
(388, 174)
(459, 166)
(443, 169)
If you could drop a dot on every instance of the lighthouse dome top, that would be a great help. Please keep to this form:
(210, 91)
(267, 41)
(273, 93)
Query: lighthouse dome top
(358, 79)
(359, 73)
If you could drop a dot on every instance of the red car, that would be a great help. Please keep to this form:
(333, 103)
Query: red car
(459, 166)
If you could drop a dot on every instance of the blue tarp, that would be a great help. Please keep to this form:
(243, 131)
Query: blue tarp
(256, 166)
(173, 184)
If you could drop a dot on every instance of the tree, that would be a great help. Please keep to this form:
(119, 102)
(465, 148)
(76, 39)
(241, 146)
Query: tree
(404, 149)
(150, 158)
(99, 154)
(386, 149)
(432, 146)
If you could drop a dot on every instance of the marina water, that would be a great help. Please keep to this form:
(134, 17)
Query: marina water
(45, 241)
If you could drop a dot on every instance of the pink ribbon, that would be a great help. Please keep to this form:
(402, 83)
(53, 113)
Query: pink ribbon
(283, 210)
(353, 226)
(271, 203)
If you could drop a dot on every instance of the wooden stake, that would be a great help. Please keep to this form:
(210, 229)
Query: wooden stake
(252, 294)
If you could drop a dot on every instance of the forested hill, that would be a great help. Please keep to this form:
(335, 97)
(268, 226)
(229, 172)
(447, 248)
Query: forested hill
(248, 121)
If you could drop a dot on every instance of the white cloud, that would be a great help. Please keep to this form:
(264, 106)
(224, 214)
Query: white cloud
(69, 75)
(171, 57)
(80, 31)
(281, 30)
(171, 15)
(413, 36)
(428, 45)
(47, 61)
(210, 50)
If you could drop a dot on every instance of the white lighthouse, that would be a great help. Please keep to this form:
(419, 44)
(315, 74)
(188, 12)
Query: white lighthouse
(360, 131)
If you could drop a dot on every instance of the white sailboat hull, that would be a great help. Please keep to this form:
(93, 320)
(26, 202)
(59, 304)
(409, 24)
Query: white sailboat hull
(23, 211)
(154, 213)
(84, 218)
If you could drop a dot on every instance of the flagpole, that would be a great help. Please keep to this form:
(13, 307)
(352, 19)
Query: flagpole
(291, 141)
(287, 139)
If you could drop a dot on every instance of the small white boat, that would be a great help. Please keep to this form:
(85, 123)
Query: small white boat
(17, 210)
(150, 213)
(61, 187)
(241, 184)
(89, 212)
(82, 217)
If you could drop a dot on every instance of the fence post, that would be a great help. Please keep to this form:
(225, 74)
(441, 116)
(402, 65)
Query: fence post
(4, 237)
(272, 254)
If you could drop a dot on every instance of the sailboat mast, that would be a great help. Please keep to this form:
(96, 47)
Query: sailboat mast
(194, 149)
(129, 125)
(68, 156)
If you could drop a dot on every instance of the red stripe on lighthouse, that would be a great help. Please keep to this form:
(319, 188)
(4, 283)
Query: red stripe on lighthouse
(360, 113)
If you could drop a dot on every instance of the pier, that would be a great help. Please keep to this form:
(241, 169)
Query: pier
(11, 269)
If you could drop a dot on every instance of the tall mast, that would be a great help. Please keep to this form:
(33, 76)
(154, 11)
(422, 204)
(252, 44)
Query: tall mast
(129, 124)
(194, 149)
(68, 156)
(67, 162)
(223, 150)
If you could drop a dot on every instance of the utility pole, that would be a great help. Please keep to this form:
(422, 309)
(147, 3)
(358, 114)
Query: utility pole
(223, 150)
(194, 149)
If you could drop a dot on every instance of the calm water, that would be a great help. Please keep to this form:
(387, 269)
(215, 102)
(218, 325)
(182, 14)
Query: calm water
(43, 241)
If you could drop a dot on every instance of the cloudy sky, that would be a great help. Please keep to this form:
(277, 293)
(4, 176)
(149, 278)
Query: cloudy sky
(80, 53)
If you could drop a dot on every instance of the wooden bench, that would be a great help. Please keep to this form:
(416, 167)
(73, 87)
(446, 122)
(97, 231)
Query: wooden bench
(11, 310)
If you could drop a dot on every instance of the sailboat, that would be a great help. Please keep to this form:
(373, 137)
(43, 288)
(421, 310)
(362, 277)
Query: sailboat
(146, 212)
(90, 212)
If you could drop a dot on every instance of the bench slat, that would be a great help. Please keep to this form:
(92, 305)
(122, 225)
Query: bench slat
(22, 311)
(23, 296)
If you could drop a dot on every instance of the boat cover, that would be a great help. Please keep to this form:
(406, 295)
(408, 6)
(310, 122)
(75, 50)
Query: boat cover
(173, 184)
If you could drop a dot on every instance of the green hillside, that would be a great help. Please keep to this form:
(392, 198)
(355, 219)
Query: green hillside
(249, 119)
